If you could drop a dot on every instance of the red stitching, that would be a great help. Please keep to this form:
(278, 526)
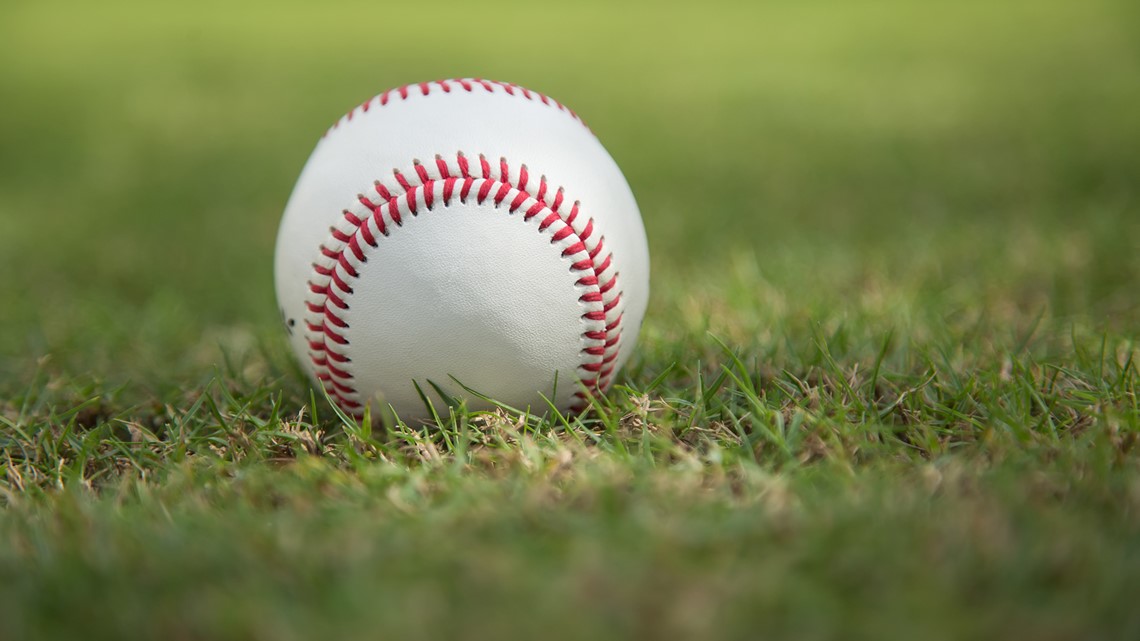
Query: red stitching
(403, 182)
(469, 85)
(339, 373)
(548, 221)
(331, 282)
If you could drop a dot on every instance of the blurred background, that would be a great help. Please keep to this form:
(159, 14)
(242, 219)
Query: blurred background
(792, 159)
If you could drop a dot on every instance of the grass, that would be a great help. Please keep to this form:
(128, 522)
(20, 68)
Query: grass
(887, 386)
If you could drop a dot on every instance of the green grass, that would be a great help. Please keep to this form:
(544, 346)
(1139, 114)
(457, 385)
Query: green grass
(886, 389)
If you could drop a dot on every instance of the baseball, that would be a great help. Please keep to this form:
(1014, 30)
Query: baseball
(461, 235)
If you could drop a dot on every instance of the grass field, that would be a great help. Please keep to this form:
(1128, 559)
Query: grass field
(886, 389)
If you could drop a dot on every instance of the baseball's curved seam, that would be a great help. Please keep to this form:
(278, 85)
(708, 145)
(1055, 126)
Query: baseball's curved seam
(468, 85)
(343, 253)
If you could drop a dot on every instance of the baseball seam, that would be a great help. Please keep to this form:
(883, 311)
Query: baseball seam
(469, 85)
(395, 200)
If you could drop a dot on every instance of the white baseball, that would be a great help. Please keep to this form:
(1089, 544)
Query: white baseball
(461, 230)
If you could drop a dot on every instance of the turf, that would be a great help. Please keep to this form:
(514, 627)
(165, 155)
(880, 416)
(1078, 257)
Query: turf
(886, 389)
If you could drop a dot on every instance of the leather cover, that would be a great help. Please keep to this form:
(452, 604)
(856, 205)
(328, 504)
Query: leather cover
(461, 230)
